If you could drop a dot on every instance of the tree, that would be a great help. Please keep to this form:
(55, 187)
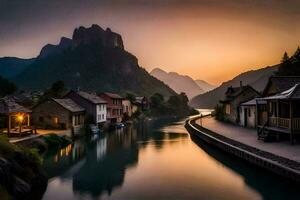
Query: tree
(285, 58)
(6, 87)
(130, 97)
(296, 55)
(56, 91)
(284, 68)
(157, 100)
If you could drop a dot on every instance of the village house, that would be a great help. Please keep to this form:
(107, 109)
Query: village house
(127, 107)
(278, 84)
(16, 118)
(114, 106)
(279, 113)
(234, 97)
(59, 114)
(95, 107)
(248, 114)
(142, 103)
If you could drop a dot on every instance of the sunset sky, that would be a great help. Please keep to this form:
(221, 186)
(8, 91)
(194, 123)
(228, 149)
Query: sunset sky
(213, 40)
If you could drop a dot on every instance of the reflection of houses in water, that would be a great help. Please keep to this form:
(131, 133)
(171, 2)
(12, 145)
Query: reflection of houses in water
(97, 176)
(101, 148)
(61, 160)
(151, 131)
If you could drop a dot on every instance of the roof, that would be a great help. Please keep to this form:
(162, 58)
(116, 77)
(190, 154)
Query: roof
(91, 97)
(69, 104)
(291, 93)
(8, 105)
(233, 92)
(283, 82)
(113, 95)
(252, 102)
(139, 99)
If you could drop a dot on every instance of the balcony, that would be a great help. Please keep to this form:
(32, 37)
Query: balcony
(285, 123)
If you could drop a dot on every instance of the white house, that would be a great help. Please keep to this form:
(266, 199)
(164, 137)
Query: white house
(95, 106)
(101, 113)
(247, 112)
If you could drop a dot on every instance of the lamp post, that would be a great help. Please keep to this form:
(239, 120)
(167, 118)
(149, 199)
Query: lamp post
(20, 118)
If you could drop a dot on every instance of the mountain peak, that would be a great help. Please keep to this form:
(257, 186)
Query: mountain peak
(179, 83)
(96, 34)
(85, 36)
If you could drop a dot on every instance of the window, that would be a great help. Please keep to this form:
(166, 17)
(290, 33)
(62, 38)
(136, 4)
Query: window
(227, 109)
(249, 112)
(102, 116)
(55, 120)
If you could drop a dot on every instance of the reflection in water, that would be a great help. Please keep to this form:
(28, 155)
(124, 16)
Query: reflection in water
(151, 160)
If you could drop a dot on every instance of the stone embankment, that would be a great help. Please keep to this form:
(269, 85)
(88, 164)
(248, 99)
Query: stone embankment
(277, 164)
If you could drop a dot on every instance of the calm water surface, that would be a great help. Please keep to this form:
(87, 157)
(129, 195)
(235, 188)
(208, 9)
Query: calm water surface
(155, 160)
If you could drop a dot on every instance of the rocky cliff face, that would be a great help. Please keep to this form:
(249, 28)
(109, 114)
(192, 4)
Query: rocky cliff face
(94, 59)
(84, 36)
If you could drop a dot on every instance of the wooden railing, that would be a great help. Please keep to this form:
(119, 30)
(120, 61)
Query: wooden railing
(284, 123)
(296, 124)
(279, 122)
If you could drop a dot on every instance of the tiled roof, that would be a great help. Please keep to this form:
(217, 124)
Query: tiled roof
(291, 93)
(252, 102)
(8, 105)
(69, 104)
(233, 92)
(139, 99)
(113, 95)
(91, 97)
(285, 82)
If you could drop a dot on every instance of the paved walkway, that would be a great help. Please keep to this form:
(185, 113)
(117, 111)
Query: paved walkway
(39, 133)
(249, 137)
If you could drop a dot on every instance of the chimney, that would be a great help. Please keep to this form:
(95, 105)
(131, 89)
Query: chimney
(241, 83)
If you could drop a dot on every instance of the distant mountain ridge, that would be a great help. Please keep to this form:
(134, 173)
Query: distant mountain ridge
(94, 60)
(255, 78)
(181, 83)
(12, 66)
(205, 85)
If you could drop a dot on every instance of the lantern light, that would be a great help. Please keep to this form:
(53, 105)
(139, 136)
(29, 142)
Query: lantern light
(20, 117)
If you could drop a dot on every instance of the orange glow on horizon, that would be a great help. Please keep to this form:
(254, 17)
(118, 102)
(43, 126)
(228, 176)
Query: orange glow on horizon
(209, 39)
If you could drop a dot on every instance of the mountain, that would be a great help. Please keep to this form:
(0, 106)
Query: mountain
(94, 59)
(11, 66)
(179, 83)
(255, 78)
(205, 85)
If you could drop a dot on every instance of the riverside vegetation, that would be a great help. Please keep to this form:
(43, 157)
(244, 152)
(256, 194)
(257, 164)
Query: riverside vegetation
(21, 172)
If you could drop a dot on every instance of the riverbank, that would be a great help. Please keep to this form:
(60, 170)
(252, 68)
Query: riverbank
(272, 162)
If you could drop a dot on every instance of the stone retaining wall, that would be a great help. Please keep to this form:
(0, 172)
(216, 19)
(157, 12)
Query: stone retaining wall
(277, 164)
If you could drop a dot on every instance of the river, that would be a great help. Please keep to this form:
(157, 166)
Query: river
(156, 159)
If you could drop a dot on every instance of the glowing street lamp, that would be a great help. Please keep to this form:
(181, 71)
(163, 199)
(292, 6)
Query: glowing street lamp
(20, 118)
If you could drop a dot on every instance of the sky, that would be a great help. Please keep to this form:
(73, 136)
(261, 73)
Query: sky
(212, 40)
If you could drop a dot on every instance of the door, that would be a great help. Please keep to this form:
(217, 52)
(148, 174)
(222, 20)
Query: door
(245, 117)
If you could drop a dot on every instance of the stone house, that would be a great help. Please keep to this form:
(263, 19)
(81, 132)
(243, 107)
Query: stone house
(59, 114)
(234, 97)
